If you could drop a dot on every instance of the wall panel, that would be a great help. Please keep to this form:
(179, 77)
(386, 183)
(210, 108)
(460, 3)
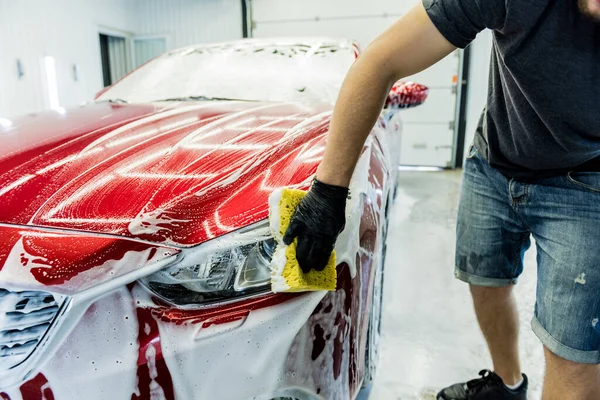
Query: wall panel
(187, 22)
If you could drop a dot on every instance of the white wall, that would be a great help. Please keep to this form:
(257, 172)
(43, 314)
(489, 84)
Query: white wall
(64, 29)
(333, 18)
(188, 22)
(428, 136)
(478, 83)
(68, 31)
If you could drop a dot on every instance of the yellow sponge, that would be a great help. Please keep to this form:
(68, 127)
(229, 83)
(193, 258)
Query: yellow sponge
(286, 274)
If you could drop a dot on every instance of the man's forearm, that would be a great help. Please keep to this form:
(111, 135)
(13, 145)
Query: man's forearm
(409, 46)
(356, 111)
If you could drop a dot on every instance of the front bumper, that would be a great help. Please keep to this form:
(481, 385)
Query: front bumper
(126, 347)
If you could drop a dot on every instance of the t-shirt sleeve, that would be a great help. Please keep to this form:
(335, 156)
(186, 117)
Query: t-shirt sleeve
(459, 21)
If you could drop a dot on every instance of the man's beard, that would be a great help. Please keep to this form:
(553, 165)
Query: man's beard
(584, 7)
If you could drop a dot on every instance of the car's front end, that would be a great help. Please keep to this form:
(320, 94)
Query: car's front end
(128, 344)
(146, 249)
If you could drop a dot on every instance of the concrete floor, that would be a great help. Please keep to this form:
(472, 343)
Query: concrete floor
(430, 337)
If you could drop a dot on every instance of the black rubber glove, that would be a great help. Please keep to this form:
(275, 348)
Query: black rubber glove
(317, 222)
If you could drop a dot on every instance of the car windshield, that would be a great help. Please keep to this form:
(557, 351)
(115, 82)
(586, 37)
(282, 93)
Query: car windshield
(246, 70)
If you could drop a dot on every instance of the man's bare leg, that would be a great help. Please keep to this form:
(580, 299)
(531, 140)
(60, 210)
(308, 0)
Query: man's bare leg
(566, 380)
(496, 311)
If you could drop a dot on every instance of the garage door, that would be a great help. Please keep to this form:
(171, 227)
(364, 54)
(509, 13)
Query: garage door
(429, 134)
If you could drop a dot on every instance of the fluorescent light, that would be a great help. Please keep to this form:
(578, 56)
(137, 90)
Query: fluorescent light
(259, 129)
(418, 168)
(50, 66)
(224, 147)
(149, 175)
(5, 122)
(91, 220)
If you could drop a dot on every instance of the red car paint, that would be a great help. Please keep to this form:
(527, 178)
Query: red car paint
(70, 261)
(81, 178)
(38, 387)
(69, 189)
(150, 337)
(179, 176)
(86, 192)
(219, 314)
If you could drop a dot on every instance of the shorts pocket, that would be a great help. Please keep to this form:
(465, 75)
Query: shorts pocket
(472, 152)
(586, 180)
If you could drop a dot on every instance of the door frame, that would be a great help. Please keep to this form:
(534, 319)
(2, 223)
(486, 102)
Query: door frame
(109, 31)
(133, 38)
(247, 22)
(461, 109)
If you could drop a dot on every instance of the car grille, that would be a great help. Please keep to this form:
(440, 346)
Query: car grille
(24, 319)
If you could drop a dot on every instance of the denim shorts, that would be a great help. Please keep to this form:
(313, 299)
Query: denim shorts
(498, 215)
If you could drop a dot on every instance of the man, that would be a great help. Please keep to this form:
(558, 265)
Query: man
(534, 170)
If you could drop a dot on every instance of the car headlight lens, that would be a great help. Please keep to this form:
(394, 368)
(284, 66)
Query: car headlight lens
(233, 266)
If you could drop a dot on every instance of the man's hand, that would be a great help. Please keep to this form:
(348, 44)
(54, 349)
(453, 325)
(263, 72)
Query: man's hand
(317, 222)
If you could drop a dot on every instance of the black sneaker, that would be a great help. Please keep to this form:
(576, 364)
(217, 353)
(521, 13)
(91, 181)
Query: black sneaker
(488, 387)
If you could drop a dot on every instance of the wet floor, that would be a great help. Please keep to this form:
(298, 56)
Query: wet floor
(430, 337)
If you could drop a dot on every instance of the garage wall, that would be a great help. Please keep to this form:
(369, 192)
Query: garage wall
(67, 30)
(335, 18)
(428, 136)
(64, 29)
(187, 22)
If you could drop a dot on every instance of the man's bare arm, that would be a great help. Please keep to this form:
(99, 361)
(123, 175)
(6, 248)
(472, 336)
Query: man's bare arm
(409, 46)
(412, 44)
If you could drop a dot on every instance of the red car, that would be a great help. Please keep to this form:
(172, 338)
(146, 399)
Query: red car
(134, 243)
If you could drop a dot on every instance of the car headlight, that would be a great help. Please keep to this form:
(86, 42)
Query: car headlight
(230, 267)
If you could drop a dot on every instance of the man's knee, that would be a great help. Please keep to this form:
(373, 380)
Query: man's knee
(568, 380)
(566, 368)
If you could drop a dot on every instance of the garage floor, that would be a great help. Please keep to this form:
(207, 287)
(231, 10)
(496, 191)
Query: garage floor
(429, 334)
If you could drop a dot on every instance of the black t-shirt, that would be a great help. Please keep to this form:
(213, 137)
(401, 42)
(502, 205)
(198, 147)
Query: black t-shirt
(543, 109)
